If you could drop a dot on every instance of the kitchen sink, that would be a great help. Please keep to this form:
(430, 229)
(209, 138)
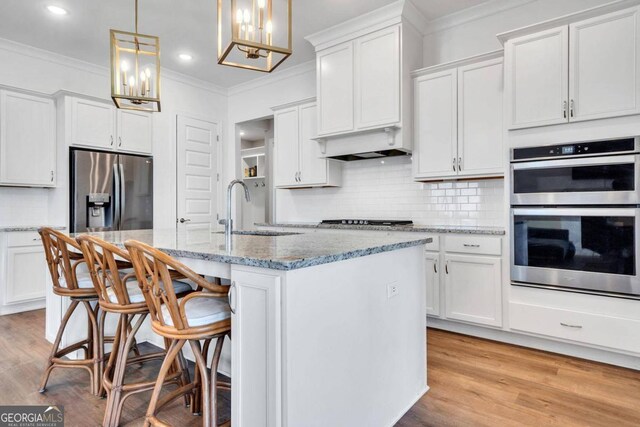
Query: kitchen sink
(260, 233)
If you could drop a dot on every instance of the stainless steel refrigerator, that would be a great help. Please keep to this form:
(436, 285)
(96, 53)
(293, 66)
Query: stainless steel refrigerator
(110, 191)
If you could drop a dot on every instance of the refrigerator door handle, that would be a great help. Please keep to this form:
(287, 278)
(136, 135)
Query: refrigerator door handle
(116, 197)
(122, 193)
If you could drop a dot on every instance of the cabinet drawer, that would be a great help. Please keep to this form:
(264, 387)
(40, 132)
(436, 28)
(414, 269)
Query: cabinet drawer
(595, 329)
(481, 245)
(23, 238)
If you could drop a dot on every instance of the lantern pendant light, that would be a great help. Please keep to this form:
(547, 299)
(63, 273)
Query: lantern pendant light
(254, 34)
(135, 69)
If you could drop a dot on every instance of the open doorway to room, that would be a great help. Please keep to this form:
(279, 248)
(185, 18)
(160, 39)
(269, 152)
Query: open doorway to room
(256, 145)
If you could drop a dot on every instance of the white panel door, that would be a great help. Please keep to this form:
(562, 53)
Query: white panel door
(256, 363)
(27, 140)
(473, 289)
(377, 81)
(93, 124)
(286, 147)
(536, 78)
(480, 118)
(26, 274)
(436, 124)
(604, 66)
(134, 131)
(196, 175)
(335, 89)
(432, 273)
(313, 168)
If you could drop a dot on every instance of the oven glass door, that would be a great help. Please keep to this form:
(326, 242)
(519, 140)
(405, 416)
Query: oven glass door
(586, 248)
(594, 180)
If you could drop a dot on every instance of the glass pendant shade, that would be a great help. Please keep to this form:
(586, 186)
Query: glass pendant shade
(254, 34)
(135, 70)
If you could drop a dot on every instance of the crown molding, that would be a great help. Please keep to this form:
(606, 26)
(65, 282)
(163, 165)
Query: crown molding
(294, 103)
(67, 61)
(474, 13)
(280, 74)
(459, 63)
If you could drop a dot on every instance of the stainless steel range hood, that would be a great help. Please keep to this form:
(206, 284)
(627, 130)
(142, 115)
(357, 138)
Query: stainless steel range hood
(369, 155)
(387, 142)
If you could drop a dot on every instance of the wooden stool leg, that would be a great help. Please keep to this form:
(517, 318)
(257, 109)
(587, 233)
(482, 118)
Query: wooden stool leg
(204, 378)
(101, 319)
(172, 353)
(92, 345)
(56, 344)
(214, 380)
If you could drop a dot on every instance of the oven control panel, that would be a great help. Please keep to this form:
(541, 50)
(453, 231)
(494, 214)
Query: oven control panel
(613, 146)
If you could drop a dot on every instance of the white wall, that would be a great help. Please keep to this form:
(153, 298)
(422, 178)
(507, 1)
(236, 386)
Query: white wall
(473, 31)
(33, 69)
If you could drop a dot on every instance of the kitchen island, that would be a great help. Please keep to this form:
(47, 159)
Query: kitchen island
(327, 330)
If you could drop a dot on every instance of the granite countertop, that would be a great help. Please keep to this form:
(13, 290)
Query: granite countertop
(286, 251)
(460, 229)
(12, 228)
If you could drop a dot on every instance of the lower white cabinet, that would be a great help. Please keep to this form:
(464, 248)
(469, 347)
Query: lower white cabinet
(27, 140)
(24, 272)
(473, 289)
(432, 282)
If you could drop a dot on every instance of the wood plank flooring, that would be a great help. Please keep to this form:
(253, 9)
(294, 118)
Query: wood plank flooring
(474, 382)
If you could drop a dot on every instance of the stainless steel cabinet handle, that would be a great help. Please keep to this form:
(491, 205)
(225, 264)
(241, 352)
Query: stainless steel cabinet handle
(564, 109)
(435, 267)
(571, 108)
(183, 220)
(468, 245)
(111, 139)
(231, 296)
(300, 176)
(571, 326)
(36, 239)
(459, 163)
(454, 164)
(51, 176)
(446, 268)
(119, 141)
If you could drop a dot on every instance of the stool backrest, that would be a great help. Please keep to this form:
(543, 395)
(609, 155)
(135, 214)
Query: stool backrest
(152, 268)
(101, 256)
(63, 255)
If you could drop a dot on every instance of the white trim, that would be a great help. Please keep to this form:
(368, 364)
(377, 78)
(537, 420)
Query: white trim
(473, 13)
(458, 63)
(294, 103)
(410, 405)
(281, 74)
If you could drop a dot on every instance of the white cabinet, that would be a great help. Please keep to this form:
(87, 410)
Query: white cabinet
(432, 282)
(100, 125)
(473, 289)
(298, 161)
(27, 140)
(23, 272)
(584, 70)
(458, 119)
(255, 349)
(335, 89)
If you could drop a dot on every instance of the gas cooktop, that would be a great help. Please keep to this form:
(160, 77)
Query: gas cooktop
(379, 222)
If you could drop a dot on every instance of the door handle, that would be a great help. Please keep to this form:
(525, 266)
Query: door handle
(183, 220)
(231, 297)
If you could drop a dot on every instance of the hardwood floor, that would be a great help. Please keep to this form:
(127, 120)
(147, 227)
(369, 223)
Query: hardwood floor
(473, 382)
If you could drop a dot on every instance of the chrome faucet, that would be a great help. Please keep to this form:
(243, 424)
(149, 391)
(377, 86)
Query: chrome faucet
(228, 222)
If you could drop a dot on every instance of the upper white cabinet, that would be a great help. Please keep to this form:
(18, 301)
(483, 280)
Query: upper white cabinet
(298, 160)
(27, 140)
(581, 69)
(458, 119)
(100, 125)
(363, 81)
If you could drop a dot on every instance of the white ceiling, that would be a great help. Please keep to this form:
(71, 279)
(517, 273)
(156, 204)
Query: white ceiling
(182, 25)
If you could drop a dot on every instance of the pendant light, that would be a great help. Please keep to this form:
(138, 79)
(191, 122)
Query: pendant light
(135, 69)
(254, 34)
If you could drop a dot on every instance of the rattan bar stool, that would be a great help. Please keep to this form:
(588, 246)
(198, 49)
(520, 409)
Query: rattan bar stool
(200, 316)
(119, 293)
(64, 257)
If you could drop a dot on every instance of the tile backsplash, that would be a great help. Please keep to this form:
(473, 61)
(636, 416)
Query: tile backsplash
(371, 189)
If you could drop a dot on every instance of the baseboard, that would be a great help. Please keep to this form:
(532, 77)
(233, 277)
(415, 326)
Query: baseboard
(539, 343)
(410, 405)
(22, 306)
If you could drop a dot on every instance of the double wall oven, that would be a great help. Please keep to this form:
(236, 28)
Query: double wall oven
(575, 217)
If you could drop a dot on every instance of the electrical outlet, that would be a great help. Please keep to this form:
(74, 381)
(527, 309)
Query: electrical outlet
(392, 290)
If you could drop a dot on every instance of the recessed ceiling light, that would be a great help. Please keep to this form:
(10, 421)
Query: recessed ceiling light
(241, 133)
(56, 10)
(185, 57)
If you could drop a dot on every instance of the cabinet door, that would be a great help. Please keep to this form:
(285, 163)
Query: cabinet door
(436, 124)
(335, 89)
(286, 154)
(93, 124)
(473, 289)
(134, 131)
(27, 140)
(377, 78)
(432, 272)
(480, 118)
(536, 80)
(26, 274)
(313, 168)
(604, 66)
(255, 350)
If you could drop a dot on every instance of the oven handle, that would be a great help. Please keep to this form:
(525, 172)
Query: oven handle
(576, 211)
(577, 162)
